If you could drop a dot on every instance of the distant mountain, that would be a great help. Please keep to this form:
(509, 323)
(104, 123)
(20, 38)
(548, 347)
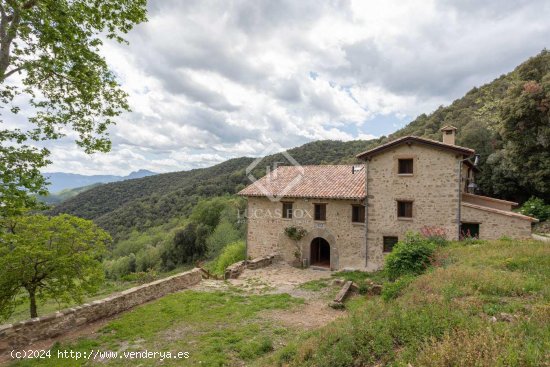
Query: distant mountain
(139, 204)
(54, 199)
(62, 181)
(121, 207)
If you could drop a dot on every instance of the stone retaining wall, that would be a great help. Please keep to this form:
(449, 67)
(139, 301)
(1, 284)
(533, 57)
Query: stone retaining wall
(234, 270)
(24, 333)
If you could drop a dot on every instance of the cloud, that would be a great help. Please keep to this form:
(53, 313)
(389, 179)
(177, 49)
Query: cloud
(211, 80)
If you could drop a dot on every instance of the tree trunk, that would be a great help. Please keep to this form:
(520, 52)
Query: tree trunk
(32, 297)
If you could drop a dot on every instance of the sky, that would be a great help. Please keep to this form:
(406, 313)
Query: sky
(213, 80)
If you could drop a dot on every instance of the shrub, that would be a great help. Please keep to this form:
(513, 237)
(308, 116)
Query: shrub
(410, 256)
(535, 207)
(231, 254)
(117, 268)
(148, 259)
(224, 234)
(295, 233)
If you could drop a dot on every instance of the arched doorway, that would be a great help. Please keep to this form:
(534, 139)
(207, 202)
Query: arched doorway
(320, 252)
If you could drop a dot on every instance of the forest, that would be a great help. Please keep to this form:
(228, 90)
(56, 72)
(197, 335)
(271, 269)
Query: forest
(163, 221)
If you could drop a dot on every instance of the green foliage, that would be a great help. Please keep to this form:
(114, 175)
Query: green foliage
(119, 267)
(231, 254)
(49, 257)
(51, 63)
(535, 207)
(295, 233)
(224, 234)
(413, 255)
(187, 246)
(392, 290)
(148, 202)
(58, 197)
(230, 330)
(506, 122)
(119, 207)
(315, 285)
(442, 317)
(525, 113)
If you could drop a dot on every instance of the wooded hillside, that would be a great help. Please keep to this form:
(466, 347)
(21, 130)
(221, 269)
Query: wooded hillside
(488, 118)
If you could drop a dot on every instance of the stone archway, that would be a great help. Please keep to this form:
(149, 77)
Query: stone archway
(319, 253)
(327, 236)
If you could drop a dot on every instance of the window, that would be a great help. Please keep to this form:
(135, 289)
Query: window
(405, 166)
(358, 213)
(320, 211)
(389, 242)
(404, 209)
(287, 210)
(469, 230)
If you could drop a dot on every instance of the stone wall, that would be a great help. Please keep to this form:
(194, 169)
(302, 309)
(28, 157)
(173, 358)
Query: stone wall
(24, 333)
(266, 231)
(494, 224)
(234, 270)
(432, 187)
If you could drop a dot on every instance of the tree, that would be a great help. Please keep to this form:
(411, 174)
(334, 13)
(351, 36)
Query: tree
(50, 66)
(49, 257)
(525, 117)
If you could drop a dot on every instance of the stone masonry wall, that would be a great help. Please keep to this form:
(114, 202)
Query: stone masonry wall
(266, 231)
(26, 332)
(234, 270)
(493, 226)
(432, 187)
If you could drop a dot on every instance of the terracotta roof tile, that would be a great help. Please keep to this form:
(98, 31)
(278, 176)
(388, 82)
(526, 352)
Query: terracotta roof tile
(325, 181)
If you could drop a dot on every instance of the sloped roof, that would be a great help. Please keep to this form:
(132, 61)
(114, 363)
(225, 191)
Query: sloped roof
(415, 139)
(499, 211)
(324, 182)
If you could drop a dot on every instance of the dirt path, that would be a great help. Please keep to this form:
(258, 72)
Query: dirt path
(282, 278)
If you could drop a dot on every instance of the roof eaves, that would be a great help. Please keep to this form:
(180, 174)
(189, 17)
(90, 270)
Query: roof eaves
(379, 149)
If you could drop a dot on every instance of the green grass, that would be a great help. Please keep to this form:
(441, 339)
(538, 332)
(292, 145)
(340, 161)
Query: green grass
(109, 287)
(449, 316)
(315, 285)
(216, 328)
(359, 277)
(455, 314)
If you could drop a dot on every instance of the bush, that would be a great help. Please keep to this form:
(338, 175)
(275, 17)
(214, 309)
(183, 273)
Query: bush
(410, 256)
(148, 259)
(231, 254)
(224, 234)
(117, 268)
(187, 246)
(535, 207)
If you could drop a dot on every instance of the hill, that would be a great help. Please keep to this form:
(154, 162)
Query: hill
(120, 207)
(53, 199)
(482, 117)
(62, 181)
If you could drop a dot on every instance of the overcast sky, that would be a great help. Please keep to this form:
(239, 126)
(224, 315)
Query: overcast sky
(212, 80)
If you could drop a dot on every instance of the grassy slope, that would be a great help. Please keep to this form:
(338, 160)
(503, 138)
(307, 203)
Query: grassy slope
(217, 329)
(445, 317)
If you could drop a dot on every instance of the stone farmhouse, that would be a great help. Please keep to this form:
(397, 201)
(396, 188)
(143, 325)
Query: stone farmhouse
(350, 217)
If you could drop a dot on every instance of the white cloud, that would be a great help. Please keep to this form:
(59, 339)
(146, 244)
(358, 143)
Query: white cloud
(212, 80)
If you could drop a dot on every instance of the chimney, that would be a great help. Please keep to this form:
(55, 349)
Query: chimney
(449, 134)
